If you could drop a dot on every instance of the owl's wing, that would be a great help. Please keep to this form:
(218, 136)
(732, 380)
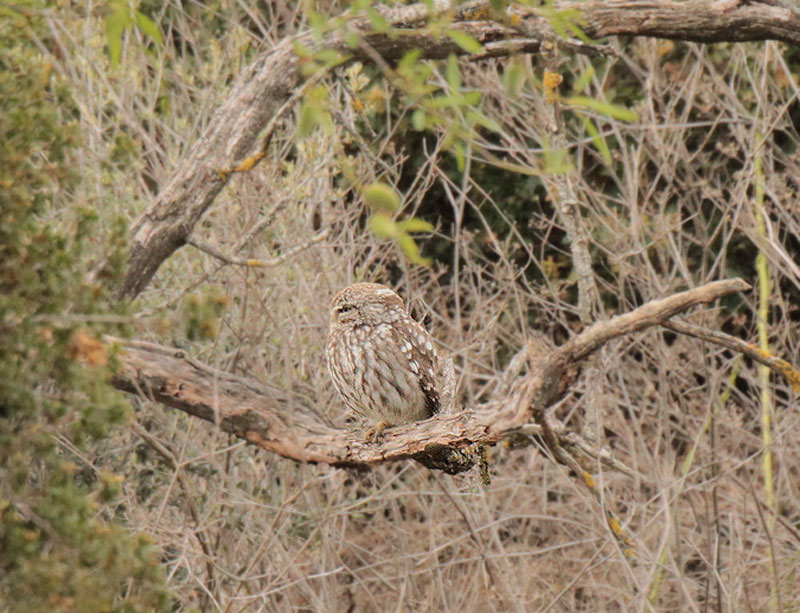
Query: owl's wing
(419, 349)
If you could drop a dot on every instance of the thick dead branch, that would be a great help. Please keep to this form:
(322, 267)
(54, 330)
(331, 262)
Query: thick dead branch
(279, 422)
(261, 92)
(702, 21)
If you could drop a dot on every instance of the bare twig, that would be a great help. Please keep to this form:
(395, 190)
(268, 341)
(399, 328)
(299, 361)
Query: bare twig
(173, 463)
(778, 365)
(253, 263)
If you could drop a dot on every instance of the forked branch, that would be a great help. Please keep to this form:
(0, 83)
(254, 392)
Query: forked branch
(282, 422)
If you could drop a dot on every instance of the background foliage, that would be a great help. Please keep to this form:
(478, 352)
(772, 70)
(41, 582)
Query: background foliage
(58, 549)
(668, 160)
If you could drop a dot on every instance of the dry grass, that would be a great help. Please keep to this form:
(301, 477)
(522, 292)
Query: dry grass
(246, 531)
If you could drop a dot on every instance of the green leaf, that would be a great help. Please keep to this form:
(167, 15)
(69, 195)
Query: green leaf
(598, 141)
(381, 197)
(383, 226)
(411, 249)
(114, 35)
(583, 81)
(453, 74)
(472, 98)
(564, 23)
(148, 26)
(310, 118)
(318, 24)
(300, 50)
(604, 108)
(556, 161)
(379, 24)
(347, 170)
(329, 58)
(486, 122)
(352, 39)
(465, 41)
(116, 22)
(461, 158)
(11, 13)
(514, 79)
(408, 61)
(419, 120)
(415, 224)
(445, 101)
(578, 33)
(556, 21)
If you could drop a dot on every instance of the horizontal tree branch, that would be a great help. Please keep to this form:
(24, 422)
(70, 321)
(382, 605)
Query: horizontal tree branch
(702, 21)
(261, 93)
(283, 423)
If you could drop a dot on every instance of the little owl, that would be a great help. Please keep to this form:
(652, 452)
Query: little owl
(381, 360)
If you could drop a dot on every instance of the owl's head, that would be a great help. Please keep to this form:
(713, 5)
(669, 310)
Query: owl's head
(366, 304)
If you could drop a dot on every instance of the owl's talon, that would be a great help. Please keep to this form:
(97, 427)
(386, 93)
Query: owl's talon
(375, 432)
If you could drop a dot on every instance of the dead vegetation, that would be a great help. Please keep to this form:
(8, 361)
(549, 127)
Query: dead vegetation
(701, 183)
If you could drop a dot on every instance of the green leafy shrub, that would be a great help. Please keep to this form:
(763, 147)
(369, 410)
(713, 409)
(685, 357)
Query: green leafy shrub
(57, 552)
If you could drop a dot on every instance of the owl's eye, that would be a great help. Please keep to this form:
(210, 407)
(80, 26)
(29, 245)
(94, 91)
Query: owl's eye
(345, 307)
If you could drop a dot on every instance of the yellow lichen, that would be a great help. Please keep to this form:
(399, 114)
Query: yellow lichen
(247, 164)
(481, 13)
(551, 81)
(785, 368)
(792, 375)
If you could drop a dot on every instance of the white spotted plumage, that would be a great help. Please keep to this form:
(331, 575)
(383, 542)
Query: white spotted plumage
(382, 362)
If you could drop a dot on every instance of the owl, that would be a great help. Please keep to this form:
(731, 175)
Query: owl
(382, 362)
